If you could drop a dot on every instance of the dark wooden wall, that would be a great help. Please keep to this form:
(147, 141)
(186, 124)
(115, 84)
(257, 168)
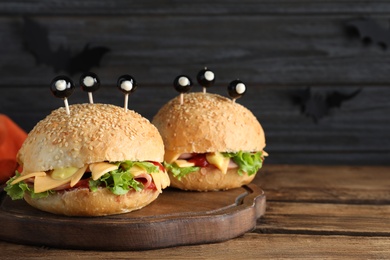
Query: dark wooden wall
(279, 48)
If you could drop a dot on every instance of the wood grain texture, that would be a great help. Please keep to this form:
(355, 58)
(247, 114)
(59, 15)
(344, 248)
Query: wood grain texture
(334, 200)
(326, 218)
(250, 246)
(357, 133)
(277, 50)
(294, 227)
(277, 47)
(326, 184)
(178, 218)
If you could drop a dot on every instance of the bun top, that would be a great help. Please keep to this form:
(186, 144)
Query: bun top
(91, 133)
(208, 122)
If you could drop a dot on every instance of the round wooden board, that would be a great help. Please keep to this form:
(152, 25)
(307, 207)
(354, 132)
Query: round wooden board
(175, 218)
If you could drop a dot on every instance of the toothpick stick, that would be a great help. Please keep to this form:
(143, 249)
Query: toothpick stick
(90, 96)
(66, 106)
(126, 101)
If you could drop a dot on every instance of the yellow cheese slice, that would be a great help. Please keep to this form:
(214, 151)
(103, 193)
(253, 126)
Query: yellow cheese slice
(184, 163)
(161, 180)
(29, 175)
(157, 180)
(218, 160)
(77, 176)
(170, 156)
(136, 170)
(165, 180)
(44, 183)
(101, 168)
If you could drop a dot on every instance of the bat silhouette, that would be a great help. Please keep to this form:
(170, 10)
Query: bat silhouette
(369, 31)
(316, 105)
(36, 41)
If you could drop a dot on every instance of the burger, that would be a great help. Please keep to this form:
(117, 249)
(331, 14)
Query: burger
(211, 142)
(98, 160)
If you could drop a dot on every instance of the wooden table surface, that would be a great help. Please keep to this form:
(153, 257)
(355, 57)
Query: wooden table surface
(312, 212)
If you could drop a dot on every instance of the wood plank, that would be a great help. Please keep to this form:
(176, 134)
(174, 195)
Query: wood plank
(248, 7)
(325, 184)
(356, 133)
(290, 229)
(325, 219)
(175, 218)
(250, 246)
(276, 47)
(276, 50)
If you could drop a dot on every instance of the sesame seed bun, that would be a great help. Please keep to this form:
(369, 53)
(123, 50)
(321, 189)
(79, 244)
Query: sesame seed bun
(82, 202)
(91, 133)
(207, 123)
(211, 179)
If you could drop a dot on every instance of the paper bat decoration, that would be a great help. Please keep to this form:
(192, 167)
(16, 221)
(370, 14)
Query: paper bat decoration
(37, 42)
(369, 31)
(316, 105)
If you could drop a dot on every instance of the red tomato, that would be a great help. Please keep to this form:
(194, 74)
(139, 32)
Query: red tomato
(199, 160)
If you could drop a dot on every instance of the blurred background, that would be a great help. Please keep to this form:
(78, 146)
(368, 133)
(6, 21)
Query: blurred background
(317, 72)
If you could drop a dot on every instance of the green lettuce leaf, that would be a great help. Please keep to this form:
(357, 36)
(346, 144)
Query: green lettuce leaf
(179, 172)
(247, 162)
(119, 181)
(16, 191)
(148, 166)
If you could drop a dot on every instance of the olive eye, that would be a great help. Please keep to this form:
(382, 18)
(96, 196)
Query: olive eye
(236, 89)
(89, 82)
(206, 78)
(62, 87)
(182, 83)
(126, 84)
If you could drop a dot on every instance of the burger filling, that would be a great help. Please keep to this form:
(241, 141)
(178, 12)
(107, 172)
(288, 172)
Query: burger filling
(246, 162)
(118, 177)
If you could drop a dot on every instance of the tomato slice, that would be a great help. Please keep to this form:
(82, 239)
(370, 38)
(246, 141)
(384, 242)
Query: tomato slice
(199, 160)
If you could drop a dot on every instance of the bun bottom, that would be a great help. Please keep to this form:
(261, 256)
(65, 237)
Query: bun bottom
(211, 179)
(83, 202)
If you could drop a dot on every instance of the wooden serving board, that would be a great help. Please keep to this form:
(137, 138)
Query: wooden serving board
(175, 218)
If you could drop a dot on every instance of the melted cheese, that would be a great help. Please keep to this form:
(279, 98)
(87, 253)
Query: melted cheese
(77, 176)
(48, 182)
(101, 168)
(161, 180)
(29, 175)
(44, 183)
(218, 160)
(157, 180)
(166, 181)
(170, 156)
(136, 170)
(184, 163)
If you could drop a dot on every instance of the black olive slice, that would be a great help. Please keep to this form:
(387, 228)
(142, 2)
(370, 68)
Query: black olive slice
(236, 89)
(62, 87)
(127, 84)
(206, 78)
(182, 83)
(89, 82)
